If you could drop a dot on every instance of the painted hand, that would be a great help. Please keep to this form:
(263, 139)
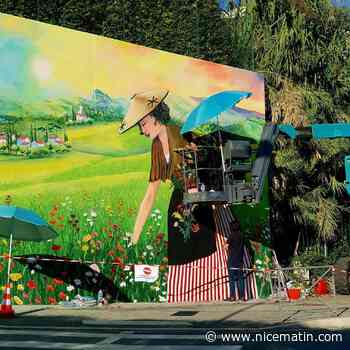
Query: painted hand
(192, 146)
(134, 239)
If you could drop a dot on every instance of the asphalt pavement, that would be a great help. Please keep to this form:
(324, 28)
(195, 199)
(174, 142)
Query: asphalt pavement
(247, 325)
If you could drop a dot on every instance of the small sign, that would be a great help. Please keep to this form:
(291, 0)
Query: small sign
(146, 273)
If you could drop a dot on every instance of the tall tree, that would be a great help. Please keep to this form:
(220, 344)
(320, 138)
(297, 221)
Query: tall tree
(84, 15)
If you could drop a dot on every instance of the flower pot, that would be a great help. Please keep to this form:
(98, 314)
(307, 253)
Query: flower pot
(294, 293)
(321, 287)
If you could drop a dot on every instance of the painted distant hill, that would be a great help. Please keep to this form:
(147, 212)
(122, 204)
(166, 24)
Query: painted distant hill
(101, 105)
(41, 109)
(98, 105)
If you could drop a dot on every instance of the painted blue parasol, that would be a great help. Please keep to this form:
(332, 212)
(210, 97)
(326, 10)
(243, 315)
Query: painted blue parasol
(211, 107)
(24, 225)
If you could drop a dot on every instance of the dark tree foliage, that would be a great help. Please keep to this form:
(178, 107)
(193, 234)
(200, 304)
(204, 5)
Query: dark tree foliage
(84, 15)
(51, 11)
(186, 27)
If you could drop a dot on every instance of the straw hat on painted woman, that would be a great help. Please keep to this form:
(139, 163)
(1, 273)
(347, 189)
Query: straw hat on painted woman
(142, 104)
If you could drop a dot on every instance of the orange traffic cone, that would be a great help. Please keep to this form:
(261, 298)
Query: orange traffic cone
(6, 307)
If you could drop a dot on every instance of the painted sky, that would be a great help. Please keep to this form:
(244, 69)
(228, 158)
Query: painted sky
(45, 61)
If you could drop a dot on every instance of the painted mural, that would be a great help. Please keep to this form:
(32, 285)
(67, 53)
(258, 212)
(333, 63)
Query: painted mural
(63, 97)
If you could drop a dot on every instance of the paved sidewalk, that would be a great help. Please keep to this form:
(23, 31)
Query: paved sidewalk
(323, 312)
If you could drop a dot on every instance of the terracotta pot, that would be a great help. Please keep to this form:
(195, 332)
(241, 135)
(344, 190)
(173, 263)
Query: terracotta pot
(321, 288)
(294, 293)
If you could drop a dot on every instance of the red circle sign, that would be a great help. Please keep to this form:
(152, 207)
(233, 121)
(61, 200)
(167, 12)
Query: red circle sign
(147, 270)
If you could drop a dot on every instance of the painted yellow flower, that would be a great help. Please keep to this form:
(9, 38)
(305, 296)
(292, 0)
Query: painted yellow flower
(87, 238)
(17, 300)
(266, 260)
(20, 287)
(84, 247)
(14, 277)
(177, 215)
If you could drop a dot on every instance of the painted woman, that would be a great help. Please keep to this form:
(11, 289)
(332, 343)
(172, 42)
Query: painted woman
(197, 259)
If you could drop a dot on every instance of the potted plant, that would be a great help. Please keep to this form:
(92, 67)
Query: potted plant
(297, 284)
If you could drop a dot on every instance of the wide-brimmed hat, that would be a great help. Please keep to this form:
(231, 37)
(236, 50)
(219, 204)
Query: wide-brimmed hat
(142, 104)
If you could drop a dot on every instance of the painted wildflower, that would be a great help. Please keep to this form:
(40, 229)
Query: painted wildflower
(70, 288)
(17, 300)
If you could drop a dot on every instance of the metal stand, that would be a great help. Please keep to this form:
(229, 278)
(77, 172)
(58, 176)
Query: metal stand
(9, 261)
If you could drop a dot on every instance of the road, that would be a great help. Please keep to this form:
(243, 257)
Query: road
(140, 336)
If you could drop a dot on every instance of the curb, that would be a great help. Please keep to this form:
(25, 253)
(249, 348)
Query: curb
(136, 323)
(328, 323)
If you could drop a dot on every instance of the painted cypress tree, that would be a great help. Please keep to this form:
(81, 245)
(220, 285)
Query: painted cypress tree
(31, 133)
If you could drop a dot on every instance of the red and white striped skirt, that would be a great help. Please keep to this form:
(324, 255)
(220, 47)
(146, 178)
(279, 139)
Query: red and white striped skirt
(207, 279)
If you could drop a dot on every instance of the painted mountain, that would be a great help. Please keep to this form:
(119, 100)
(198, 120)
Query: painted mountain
(102, 105)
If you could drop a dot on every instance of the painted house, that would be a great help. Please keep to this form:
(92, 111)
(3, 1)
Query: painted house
(38, 144)
(81, 116)
(55, 140)
(23, 141)
(3, 139)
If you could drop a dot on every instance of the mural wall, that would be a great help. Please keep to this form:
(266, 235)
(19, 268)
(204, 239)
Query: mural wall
(63, 95)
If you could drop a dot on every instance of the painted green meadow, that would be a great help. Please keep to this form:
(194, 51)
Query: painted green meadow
(91, 197)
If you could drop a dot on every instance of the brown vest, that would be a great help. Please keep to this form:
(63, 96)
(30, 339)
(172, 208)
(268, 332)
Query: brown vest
(160, 169)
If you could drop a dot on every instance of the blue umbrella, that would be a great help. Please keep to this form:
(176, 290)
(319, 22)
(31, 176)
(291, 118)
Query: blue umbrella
(24, 225)
(212, 107)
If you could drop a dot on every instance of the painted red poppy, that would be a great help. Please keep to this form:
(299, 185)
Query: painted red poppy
(52, 300)
(120, 248)
(118, 262)
(62, 295)
(31, 284)
(195, 228)
(56, 247)
(57, 281)
(110, 253)
(50, 288)
(160, 236)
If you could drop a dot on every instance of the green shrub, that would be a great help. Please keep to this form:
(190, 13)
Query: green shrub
(14, 148)
(39, 152)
